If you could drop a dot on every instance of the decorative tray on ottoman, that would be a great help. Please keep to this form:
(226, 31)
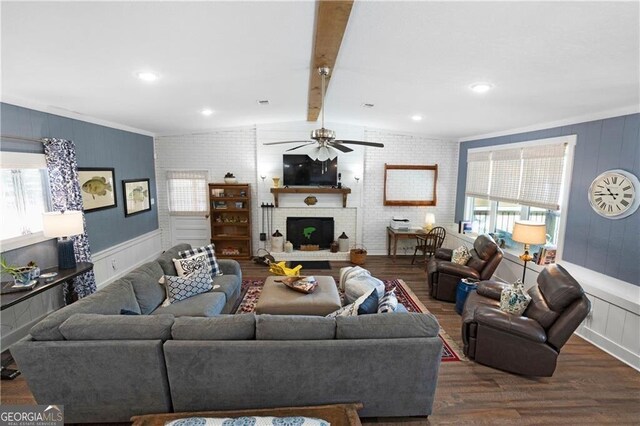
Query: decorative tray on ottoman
(302, 284)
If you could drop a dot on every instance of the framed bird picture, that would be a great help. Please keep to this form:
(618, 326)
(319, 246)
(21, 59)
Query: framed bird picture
(136, 196)
(97, 186)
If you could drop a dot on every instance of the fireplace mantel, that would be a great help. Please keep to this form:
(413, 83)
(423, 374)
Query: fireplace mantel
(311, 190)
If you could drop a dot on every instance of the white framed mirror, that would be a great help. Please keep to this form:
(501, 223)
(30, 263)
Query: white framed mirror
(410, 185)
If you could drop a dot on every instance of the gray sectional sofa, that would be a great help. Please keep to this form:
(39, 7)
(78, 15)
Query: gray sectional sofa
(107, 367)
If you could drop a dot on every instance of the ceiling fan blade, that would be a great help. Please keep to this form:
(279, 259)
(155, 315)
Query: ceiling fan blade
(300, 146)
(376, 144)
(278, 143)
(340, 147)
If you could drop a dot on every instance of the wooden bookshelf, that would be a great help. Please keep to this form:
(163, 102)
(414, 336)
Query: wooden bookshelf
(230, 215)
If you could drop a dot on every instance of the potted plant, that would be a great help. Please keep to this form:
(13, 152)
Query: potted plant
(22, 275)
(230, 178)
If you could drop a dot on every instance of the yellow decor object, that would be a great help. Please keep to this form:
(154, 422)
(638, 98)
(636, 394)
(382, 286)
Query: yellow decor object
(280, 269)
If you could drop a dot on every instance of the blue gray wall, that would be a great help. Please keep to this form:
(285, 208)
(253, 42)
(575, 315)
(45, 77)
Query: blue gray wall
(611, 247)
(130, 154)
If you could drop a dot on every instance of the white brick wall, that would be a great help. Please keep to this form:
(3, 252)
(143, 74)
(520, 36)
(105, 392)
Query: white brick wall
(241, 151)
(219, 152)
(405, 149)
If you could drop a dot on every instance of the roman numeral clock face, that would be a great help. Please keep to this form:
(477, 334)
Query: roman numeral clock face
(614, 194)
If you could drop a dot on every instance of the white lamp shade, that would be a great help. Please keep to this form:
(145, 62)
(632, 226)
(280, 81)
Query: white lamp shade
(527, 232)
(430, 219)
(62, 224)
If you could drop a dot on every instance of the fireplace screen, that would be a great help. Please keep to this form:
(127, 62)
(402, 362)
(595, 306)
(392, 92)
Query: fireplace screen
(310, 231)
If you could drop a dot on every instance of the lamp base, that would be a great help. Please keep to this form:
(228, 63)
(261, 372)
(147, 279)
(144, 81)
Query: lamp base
(66, 255)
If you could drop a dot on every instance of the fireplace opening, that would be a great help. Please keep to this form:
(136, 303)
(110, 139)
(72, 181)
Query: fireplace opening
(310, 231)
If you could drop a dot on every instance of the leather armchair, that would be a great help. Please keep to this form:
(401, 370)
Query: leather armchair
(443, 275)
(527, 344)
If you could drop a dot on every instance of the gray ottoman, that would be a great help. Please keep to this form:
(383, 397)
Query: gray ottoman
(278, 299)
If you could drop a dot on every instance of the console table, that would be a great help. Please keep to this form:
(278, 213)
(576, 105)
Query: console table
(64, 275)
(393, 235)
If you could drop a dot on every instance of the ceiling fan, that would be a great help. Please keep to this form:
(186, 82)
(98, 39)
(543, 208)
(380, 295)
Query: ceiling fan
(326, 145)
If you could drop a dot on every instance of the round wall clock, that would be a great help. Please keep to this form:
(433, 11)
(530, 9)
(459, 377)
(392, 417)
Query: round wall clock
(615, 194)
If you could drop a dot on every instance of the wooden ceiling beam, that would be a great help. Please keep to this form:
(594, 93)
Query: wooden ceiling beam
(331, 21)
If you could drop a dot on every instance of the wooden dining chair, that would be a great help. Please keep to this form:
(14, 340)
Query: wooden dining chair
(428, 243)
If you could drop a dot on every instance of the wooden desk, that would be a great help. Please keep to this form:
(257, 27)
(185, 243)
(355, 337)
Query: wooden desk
(64, 275)
(393, 235)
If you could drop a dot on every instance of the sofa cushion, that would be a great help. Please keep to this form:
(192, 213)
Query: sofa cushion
(202, 305)
(108, 301)
(387, 326)
(210, 252)
(223, 327)
(227, 284)
(117, 327)
(294, 327)
(181, 288)
(144, 281)
(166, 259)
(485, 247)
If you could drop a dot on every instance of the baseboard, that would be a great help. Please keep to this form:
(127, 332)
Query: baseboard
(612, 348)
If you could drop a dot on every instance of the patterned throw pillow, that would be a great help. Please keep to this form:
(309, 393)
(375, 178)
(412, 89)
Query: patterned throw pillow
(198, 262)
(210, 250)
(351, 310)
(461, 255)
(180, 288)
(388, 302)
(514, 300)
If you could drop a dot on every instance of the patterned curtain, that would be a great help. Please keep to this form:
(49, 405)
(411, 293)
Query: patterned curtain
(65, 195)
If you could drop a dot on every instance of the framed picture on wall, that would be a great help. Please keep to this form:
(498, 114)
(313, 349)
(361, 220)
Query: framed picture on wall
(136, 196)
(97, 186)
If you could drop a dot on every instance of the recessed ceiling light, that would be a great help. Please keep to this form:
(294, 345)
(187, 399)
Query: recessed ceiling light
(481, 87)
(416, 117)
(206, 112)
(147, 76)
(263, 102)
(367, 105)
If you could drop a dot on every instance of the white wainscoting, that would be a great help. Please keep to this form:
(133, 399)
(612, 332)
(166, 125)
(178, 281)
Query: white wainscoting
(118, 260)
(613, 324)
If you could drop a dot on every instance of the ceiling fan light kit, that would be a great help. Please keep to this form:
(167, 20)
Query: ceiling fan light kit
(325, 146)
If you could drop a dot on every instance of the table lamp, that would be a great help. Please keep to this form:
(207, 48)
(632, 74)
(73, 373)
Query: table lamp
(429, 220)
(528, 232)
(63, 225)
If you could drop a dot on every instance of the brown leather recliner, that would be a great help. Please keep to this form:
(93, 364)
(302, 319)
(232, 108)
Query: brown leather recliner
(527, 344)
(443, 275)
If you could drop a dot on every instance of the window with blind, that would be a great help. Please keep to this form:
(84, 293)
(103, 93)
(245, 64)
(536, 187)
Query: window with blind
(24, 196)
(187, 192)
(517, 181)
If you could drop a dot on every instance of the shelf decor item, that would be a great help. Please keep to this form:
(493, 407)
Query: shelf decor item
(97, 188)
(63, 225)
(230, 178)
(22, 275)
(136, 196)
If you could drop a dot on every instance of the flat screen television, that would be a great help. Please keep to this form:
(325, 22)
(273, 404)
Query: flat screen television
(301, 170)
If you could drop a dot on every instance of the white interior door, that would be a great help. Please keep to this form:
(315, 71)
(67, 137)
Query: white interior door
(194, 230)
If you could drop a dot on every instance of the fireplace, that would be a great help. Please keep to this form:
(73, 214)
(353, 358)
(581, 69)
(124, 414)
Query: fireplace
(310, 230)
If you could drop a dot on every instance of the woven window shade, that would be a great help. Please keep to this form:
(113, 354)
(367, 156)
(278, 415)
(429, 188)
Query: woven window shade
(478, 173)
(187, 192)
(542, 168)
(505, 175)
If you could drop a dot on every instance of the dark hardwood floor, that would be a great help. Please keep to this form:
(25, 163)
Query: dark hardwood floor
(588, 387)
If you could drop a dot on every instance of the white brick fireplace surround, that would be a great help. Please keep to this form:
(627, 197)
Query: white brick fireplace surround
(345, 220)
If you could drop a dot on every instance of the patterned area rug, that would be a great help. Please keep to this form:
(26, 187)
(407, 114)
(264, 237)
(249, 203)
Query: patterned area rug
(252, 288)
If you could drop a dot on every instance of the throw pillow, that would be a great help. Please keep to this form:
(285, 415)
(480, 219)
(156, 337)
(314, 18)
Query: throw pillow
(388, 302)
(180, 288)
(461, 255)
(128, 312)
(370, 304)
(351, 309)
(356, 281)
(191, 264)
(514, 300)
(210, 251)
